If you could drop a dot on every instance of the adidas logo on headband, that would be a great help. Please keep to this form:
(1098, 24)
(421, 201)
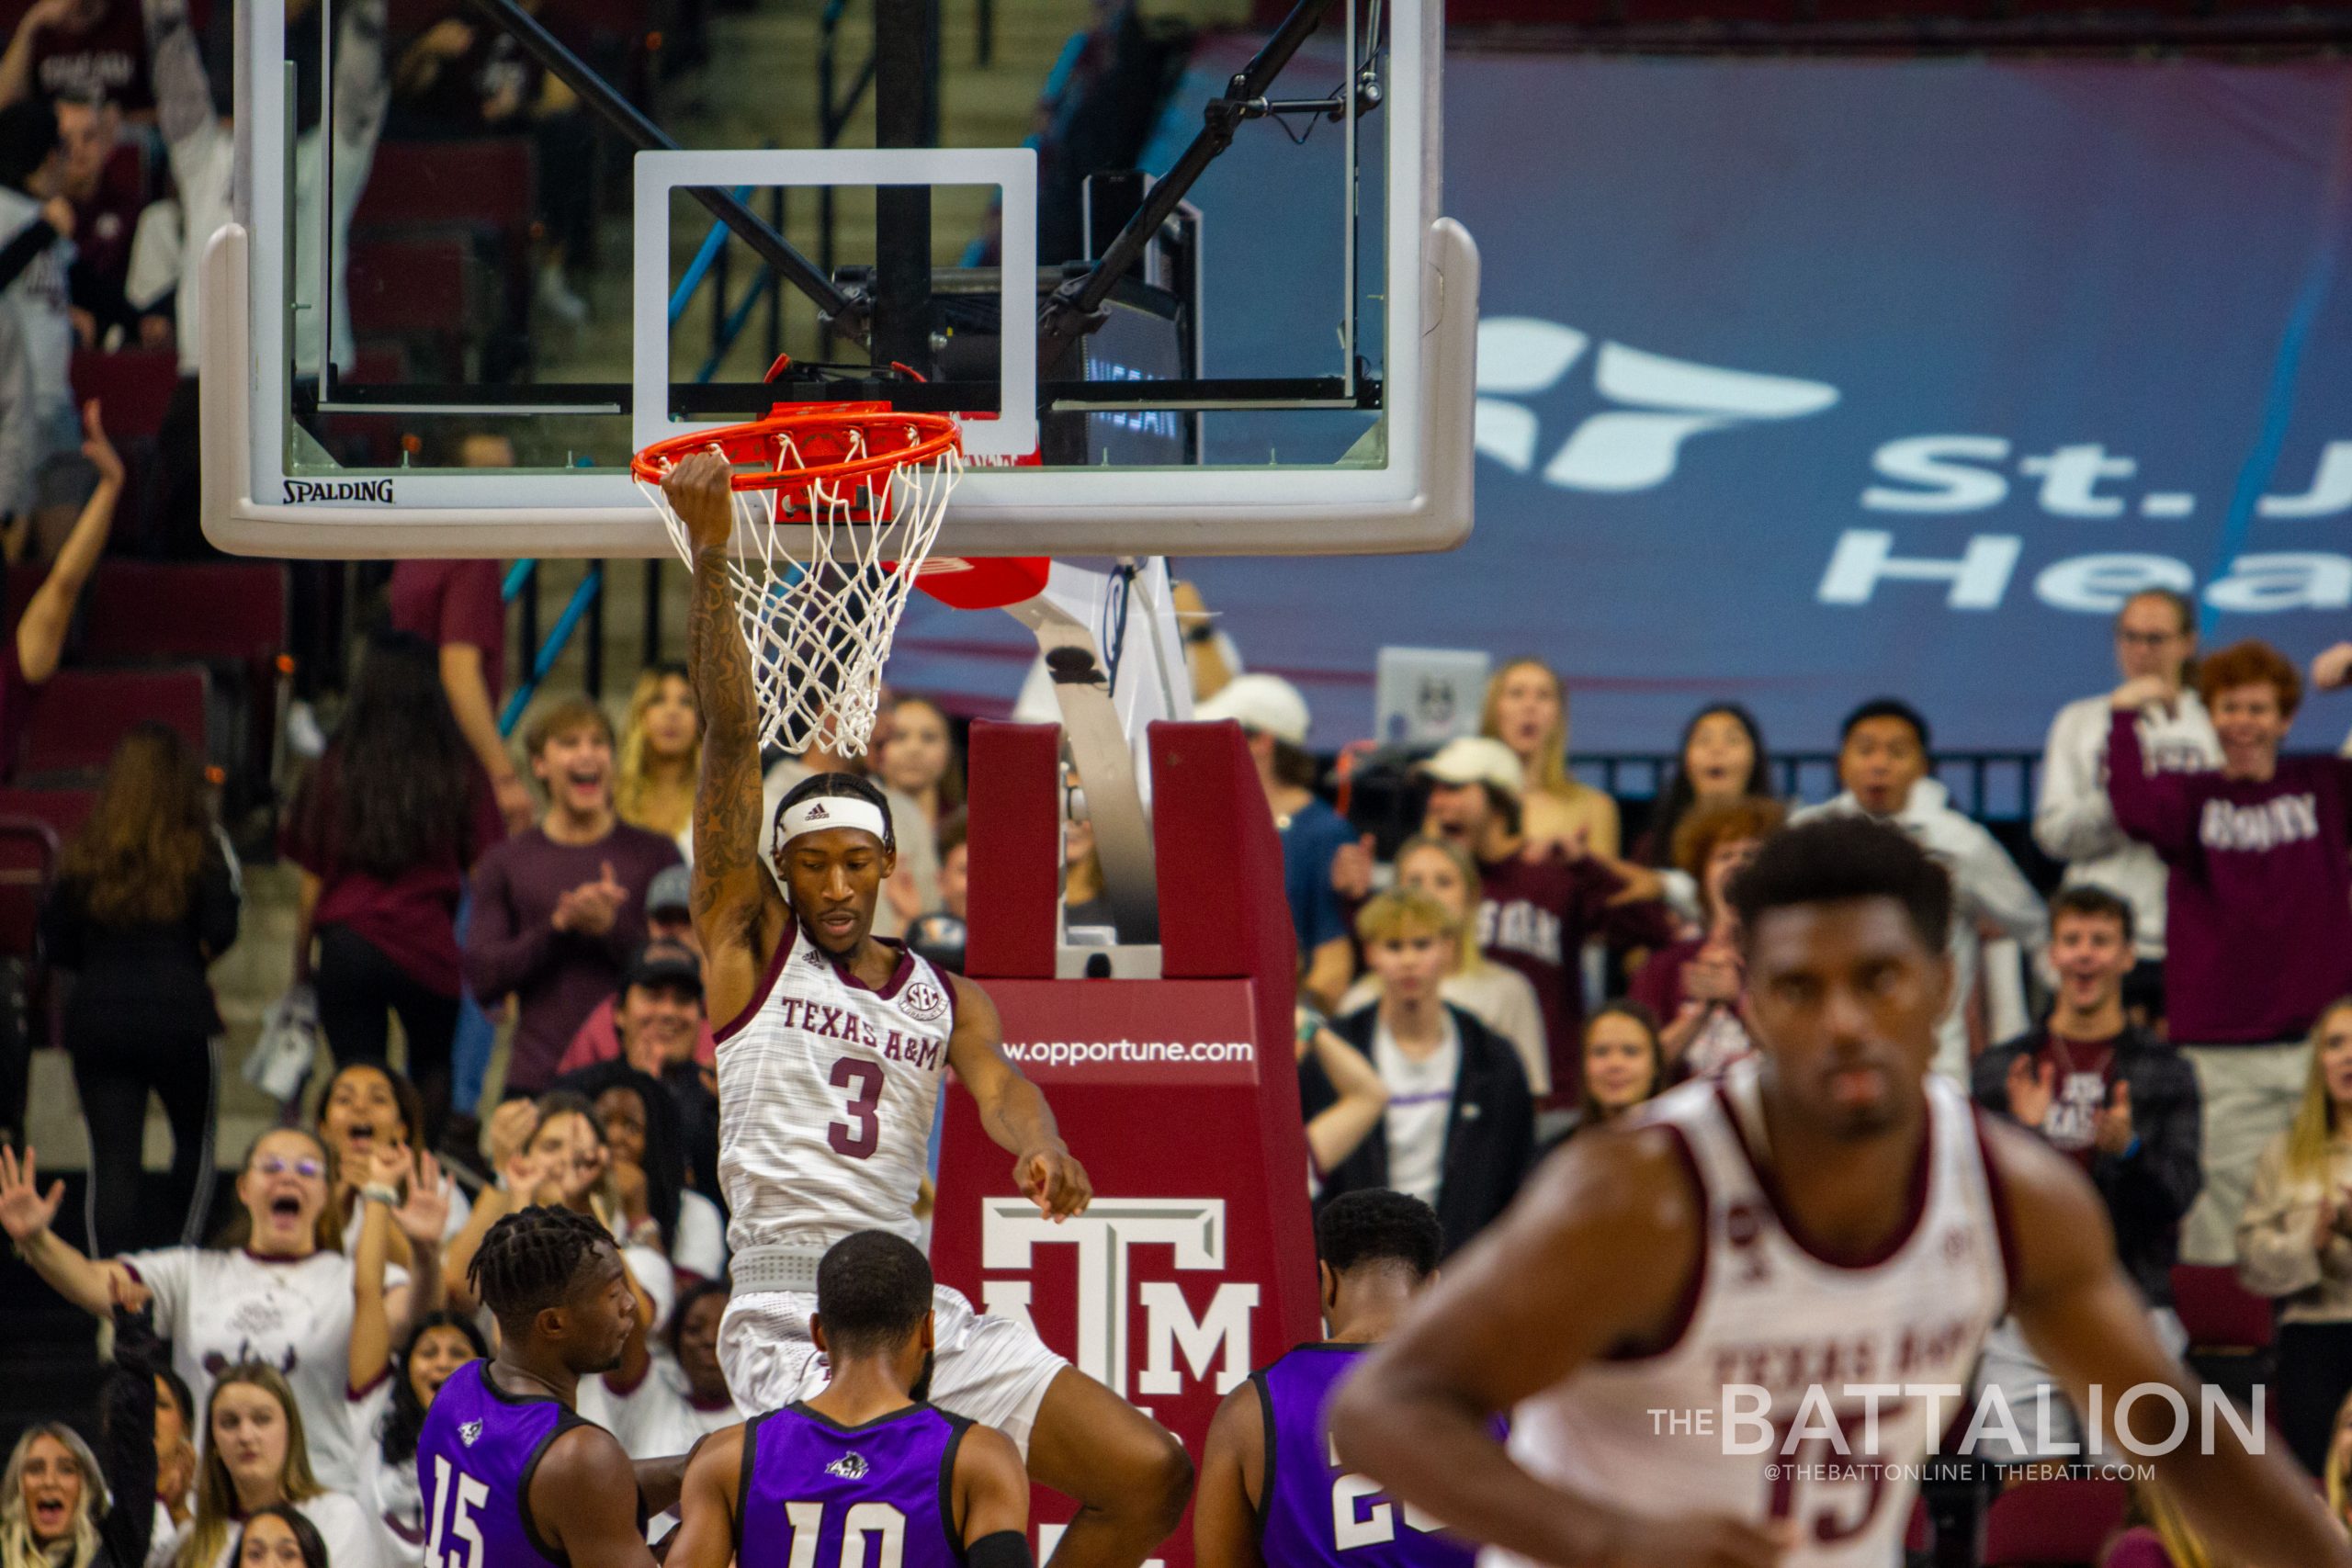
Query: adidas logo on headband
(833, 811)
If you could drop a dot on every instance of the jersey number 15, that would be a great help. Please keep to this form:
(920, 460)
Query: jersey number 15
(463, 1534)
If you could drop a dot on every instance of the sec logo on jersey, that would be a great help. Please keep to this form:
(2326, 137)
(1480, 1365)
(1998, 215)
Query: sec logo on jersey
(923, 1003)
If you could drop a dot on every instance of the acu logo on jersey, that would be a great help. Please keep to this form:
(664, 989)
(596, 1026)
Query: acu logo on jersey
(468, 1431)
(1109, 1237)
(851, 1466)
(923, 1003)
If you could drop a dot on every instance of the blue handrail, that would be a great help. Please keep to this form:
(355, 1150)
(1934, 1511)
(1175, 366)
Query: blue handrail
(711, 243)
(552, 649)
(737, 320)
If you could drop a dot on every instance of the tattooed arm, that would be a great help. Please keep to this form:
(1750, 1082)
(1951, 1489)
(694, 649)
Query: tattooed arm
(739, 914)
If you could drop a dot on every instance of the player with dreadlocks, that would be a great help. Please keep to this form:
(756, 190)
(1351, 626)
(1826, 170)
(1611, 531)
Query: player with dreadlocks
(509, 1473)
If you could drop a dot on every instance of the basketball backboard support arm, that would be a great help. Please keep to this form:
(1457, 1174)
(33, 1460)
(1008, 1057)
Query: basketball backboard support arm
(847, 313)
(1106, 764)
(1076, 308)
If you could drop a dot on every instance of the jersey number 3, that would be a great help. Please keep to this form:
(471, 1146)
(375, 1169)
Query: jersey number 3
(859, 1137)
(464, 1536)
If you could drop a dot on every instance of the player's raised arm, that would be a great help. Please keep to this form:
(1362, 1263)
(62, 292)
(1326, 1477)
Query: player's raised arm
(2091, 1330)
(585, 1496)
(706, 1537)
(738, 912)
(1013, 1110)
(1596, 1255)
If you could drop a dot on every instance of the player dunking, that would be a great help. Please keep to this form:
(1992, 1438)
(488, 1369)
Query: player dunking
(832, 1044)
(1271, 1495)
(510, 1475)
(867, 1458)
(1829, 1217)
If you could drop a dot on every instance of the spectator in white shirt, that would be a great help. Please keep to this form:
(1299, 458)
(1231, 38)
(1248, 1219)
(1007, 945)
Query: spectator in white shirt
(1500, 998)
(667, 1393)
(37, 221)
(256, 1456)
(368, 1107)
(1882, 762)
(2156, 636)
(278, 1290)
(389, 1422)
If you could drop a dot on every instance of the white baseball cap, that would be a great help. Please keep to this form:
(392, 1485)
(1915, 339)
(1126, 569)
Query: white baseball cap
(1478, 758)
(1267, 704)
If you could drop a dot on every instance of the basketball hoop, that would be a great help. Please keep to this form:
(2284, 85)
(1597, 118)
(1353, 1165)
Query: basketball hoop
(837, 508)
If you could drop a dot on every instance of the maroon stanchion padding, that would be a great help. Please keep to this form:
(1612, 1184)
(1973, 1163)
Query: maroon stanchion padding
(1196, 1262)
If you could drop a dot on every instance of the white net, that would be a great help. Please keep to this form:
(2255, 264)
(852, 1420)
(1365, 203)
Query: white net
(820, 586)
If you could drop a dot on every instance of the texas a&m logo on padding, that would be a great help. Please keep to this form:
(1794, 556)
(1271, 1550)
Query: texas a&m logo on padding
(1111, 1238)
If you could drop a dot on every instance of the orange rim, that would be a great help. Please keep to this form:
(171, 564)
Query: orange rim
(893, 440)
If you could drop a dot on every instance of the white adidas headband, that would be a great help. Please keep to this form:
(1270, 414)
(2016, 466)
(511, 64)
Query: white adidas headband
(821, 812)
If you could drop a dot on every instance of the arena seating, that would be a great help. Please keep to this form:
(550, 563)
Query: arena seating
(2052, 1524)
(83, 713)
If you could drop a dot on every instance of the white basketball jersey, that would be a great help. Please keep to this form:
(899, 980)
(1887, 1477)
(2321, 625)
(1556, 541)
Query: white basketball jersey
(825, 1090)
(1771, 1323)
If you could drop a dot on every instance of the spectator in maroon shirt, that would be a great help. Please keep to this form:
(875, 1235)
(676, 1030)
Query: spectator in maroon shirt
(2258, 897)
(605, 1035)
(107, 196)
(384, 829)
(1538, 909)
(1695, 984)
(559, 908)
(95, 47)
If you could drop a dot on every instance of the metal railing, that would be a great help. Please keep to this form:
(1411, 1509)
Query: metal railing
(585, 605)
(1989, 785)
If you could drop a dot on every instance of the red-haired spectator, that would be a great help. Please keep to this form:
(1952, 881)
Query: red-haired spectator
(1695, 984)
(2258, 907)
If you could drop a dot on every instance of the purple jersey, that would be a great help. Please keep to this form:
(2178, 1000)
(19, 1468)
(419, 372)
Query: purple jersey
(890, 1479)
(1315, 1514)
(474, 1461)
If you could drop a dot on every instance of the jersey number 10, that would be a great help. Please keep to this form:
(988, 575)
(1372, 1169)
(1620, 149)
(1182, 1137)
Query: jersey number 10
(879, 1523)
(460, 1514)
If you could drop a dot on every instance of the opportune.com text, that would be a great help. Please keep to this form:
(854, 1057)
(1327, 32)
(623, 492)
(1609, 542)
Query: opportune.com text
(1097, 1052)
